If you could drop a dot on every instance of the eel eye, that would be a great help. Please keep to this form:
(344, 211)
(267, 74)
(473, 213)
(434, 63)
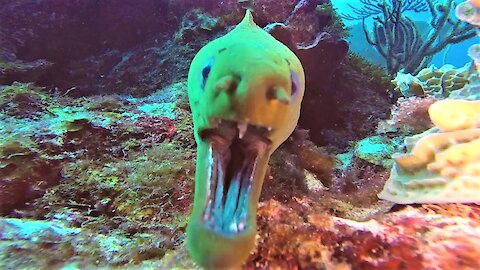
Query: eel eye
(205, 72)
(295, 84)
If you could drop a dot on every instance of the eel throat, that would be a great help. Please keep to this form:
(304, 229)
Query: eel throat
(233, 155)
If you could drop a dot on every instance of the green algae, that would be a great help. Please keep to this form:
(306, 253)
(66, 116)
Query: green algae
(377, 150)
(336, 26)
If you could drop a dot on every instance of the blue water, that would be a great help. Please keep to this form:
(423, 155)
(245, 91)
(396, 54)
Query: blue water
(454, 54)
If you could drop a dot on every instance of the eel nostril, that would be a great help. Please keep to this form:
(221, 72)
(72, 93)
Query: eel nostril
(279, 94)
(228, 84)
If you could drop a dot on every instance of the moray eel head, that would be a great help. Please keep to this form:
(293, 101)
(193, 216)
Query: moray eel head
(245, 91)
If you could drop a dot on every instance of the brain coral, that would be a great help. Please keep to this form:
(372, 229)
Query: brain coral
(432, 81)
(442, 165)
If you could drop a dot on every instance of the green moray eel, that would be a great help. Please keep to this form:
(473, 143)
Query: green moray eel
(245, 91)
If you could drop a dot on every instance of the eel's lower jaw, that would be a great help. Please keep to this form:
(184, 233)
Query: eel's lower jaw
(234, 151)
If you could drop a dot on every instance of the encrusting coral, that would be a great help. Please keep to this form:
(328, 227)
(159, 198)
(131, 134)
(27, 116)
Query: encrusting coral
(451, 115)
(409, 115)
(432, 81)
(469, 11)
(442, 164)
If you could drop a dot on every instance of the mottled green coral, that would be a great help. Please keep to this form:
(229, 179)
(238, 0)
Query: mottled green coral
(433, 81)
(137, 187)
(377, 150)
(23, 99)
(24, 172)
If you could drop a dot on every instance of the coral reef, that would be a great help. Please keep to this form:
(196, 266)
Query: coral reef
(25, 173)
(141, 52)
(302, 164)
(397, 38)
(331, 104)
(89, 169)
(38, 35)
(196, 23)
(43, 135)
(322, 60)
(376, 150)
(469, 11)
(375, 73)
(93, 178)
(22, 100)
(127, 205)
(297, 236)
(433, 81)
(151, 52)
(408, 116)
(157, 129)
(22, 238)
(442, 164)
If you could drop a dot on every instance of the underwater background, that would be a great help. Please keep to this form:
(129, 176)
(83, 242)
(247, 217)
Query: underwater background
(97, 152)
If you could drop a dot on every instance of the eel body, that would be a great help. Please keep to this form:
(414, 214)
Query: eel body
(245, 90)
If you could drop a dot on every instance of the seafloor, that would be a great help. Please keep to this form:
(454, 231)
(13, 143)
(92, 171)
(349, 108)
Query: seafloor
(97, 155)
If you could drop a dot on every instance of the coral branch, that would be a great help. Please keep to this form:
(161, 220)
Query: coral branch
(398, 38)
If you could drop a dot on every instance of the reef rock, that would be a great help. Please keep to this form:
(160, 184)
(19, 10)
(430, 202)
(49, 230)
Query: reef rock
(297, 236)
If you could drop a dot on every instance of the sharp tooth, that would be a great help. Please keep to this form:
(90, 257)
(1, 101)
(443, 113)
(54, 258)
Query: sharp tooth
(269, 128)
(233, 227)
(242, 128)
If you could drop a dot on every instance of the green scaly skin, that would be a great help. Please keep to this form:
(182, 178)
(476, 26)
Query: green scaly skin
(249, 82)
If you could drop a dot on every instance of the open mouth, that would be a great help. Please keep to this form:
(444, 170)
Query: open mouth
(234, 151)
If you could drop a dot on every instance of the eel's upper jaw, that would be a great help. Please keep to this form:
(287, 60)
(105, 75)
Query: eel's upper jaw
(234, 150)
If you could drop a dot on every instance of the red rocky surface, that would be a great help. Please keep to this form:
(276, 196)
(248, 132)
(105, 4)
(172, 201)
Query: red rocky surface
(295, 236)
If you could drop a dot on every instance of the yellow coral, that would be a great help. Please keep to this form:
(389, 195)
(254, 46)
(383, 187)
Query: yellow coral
(426, 148)
(443, 166)
(432, 81)
(450, 114)
(458, 155)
